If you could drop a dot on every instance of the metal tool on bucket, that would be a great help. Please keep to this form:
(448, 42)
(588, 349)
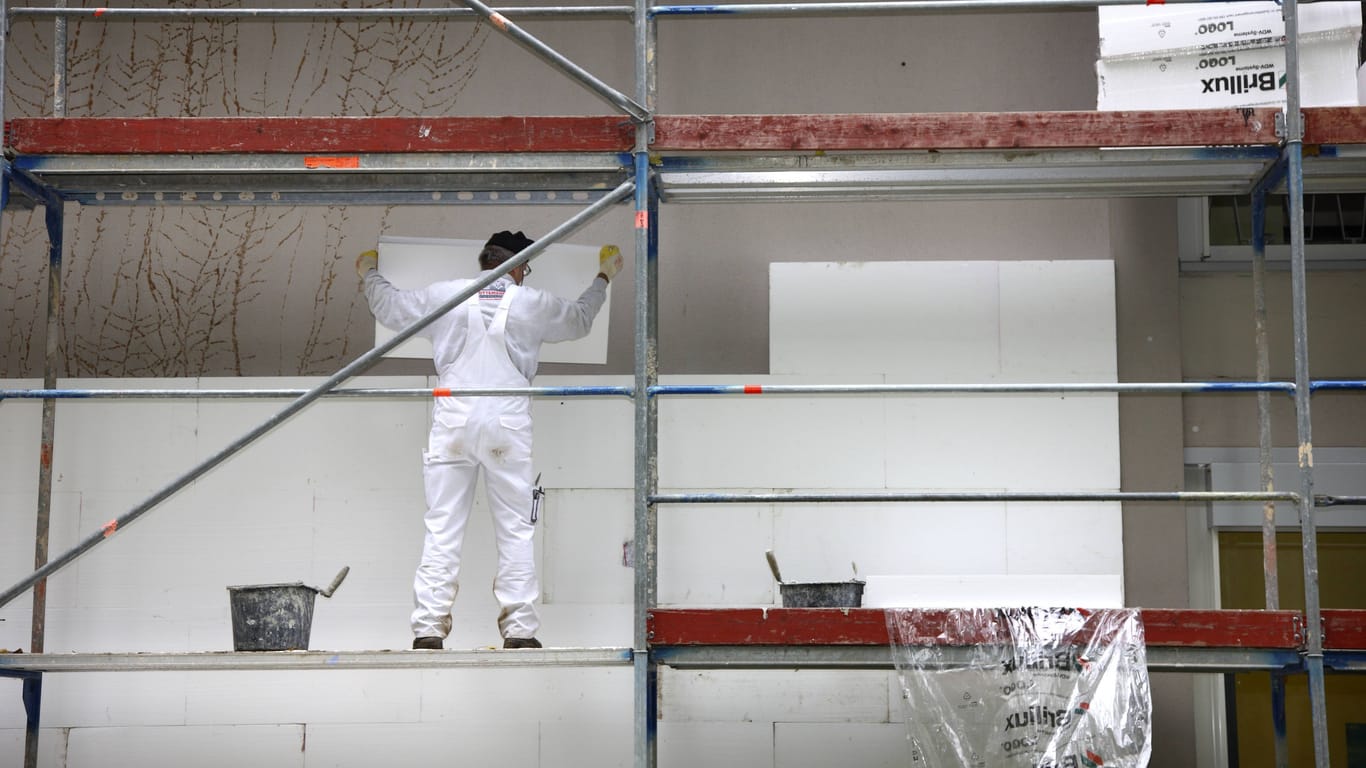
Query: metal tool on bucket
(275, 617)
(817, 594)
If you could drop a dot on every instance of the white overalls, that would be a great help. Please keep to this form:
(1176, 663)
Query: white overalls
(472, 350)
(469, 433)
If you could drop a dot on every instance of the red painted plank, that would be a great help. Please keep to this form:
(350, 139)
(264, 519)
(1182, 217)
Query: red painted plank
(924, 131)
(958, 130)
(1344, 629)
(1189, 628)
(1335, 125)
(867, 626)
(774, 626)
(965, 130)
(317, 135)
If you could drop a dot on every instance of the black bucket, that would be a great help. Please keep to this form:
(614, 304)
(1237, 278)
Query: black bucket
(822, 594)
(271, 617)
(275, 617)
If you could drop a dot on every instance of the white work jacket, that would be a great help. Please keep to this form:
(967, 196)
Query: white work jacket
(534, 316)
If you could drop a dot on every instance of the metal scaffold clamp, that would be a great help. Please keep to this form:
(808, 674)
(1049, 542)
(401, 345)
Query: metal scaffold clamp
(1281, 129)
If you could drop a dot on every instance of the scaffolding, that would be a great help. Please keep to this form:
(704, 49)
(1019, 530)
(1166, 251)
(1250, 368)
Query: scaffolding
(648, 158)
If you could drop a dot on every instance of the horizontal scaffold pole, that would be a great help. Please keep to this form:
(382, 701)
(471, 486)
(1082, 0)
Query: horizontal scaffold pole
(1189, 387)
(1315, 386)
(988, 389)
(245, 394)
(893, 7)
(358, 366)
(950, 496)
(667, 390)
(1323, 500)
(35, 663)
(308, 14)
(890, 7)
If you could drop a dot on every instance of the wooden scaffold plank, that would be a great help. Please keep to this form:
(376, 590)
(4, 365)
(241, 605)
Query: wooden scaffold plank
(267, 135)
(1183, 628)
(700, 133)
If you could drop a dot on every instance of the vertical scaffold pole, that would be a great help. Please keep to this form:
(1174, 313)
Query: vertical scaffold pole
(33, 687)
(33, 707)
(646, 413)
(1294, 155)
(1270, 574)
(54, 220)
(59, 63)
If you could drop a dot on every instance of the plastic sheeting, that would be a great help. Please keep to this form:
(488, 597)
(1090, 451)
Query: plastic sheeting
(1017, 687)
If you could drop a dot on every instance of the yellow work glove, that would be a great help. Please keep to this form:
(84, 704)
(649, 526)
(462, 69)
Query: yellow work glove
(367, 261)
(610, 261)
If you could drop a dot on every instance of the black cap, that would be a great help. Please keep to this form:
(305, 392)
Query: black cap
(513, 241)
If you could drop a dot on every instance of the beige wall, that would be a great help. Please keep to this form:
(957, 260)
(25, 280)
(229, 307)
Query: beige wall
(1148, 323)
(1218, 341)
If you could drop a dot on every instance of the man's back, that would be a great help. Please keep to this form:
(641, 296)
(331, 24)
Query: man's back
(534, 316)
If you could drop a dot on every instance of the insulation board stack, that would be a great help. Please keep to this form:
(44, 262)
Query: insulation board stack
(1219, 55)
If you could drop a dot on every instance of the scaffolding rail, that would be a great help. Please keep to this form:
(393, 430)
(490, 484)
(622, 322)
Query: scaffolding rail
(649, 158)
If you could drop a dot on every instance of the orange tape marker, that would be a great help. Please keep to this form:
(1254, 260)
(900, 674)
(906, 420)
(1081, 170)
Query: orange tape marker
(642, 219)
(441, 392)
(754, 389)
(499, 20)
(100, 11)
(332, 162)
(110, 527)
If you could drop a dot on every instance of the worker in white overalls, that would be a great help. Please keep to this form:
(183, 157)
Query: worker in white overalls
(490, 341)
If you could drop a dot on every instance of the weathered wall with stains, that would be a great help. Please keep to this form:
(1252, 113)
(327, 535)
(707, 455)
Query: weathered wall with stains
(186, 291)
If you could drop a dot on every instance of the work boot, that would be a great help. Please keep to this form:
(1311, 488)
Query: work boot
(426, 643)
(521, 642)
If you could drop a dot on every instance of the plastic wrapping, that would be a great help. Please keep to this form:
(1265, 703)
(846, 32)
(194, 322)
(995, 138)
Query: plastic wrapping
(1023, 687)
